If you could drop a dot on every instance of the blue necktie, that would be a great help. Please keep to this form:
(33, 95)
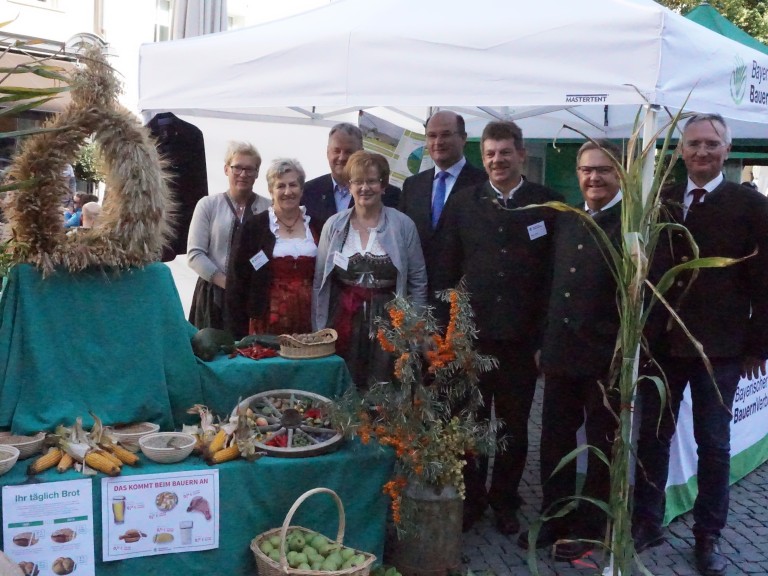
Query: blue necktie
(439, 200)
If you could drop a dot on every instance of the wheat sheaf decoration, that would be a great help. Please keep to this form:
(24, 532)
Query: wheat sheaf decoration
(136, 219)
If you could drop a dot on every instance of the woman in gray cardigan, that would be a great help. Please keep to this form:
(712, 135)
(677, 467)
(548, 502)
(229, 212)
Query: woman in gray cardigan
(215, 222)
(367, 254)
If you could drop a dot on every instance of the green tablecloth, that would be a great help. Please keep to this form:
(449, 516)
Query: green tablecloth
(114, 343)
(227, 380)
(254, 498)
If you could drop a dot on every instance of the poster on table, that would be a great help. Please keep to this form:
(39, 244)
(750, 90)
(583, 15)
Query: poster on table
(159, 514)
(48, 527)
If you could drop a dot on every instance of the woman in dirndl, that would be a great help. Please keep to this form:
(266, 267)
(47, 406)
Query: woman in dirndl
(367, 254)
(274, 261)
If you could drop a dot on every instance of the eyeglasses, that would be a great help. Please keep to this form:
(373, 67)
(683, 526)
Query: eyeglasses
(237, 170)
(372, 182)
(442, 135)
(708, 145)
(600, 170)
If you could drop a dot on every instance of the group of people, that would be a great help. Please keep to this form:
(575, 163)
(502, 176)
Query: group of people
(84, 212)
(332, 251)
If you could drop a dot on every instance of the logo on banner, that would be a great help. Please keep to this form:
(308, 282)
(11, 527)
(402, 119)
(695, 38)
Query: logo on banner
(586, 98)
(739, 81)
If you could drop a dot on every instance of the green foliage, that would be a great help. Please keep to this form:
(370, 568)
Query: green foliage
(749, 15)
(88, 164)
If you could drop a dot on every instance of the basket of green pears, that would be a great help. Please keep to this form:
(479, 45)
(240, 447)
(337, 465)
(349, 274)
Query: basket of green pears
(298, 551)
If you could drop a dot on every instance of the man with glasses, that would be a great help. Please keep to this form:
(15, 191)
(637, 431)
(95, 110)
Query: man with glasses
(424, 194)
(726, 310)
(505, 256)
(577, 353)
(326, 195)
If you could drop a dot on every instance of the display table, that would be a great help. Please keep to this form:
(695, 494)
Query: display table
(225, 380)
(114, 343)
(117, 344)
(254, 498)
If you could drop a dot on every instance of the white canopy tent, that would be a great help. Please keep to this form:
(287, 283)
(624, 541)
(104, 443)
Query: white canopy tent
(587, 64)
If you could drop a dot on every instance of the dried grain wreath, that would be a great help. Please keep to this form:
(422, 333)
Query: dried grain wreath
(135, 221)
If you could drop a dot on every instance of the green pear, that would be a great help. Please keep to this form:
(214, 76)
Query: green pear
(317, 565)
(329, 565)
(266, 547)
(274, 555)
(275, 541)
(291, 557)
(347, 553)
(303, 566)
(336, 557)
(297, 542)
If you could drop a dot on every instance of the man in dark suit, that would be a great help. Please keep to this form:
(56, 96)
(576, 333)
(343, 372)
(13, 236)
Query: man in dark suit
(726, 310)
(576, 355)
(425, 194)
(325, 195)
(506, 258)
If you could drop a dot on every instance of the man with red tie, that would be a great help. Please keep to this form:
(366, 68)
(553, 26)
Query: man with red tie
(726, 310)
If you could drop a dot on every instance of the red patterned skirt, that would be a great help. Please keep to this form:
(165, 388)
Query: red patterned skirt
(290, 298)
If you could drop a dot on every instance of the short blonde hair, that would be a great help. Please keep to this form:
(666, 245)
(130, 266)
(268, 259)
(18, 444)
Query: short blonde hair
(243, 148)
(90, 216)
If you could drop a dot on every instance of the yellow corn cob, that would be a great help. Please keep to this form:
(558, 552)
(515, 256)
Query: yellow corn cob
(125, 456)
(225, 454)
(111, 457)
(218, 442)
(65, 463)
(98, 461)
(48, 460)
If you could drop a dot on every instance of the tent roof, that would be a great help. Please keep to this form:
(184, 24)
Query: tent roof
(709, 17)
(493, 59)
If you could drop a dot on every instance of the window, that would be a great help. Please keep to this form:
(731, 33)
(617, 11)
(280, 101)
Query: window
(163, 15)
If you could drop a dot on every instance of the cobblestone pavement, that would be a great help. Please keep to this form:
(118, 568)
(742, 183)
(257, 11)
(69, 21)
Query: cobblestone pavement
(744, 542)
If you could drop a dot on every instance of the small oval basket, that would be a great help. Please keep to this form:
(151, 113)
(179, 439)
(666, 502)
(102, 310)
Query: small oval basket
(316, 345)
(268, 567)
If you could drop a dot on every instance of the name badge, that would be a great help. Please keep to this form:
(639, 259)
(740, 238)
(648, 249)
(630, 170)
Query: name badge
(259, 260)
(537, 230)
(341, 261)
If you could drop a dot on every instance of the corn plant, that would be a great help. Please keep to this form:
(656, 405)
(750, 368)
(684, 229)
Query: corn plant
(641, 227)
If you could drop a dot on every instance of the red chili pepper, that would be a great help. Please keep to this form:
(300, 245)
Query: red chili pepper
(257, 352)
(314, 413)
(278, 441)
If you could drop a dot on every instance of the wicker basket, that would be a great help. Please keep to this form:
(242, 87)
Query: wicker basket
(315, 345)
(268, 567)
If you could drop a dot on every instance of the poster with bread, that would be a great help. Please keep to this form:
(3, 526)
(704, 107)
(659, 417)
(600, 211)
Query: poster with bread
(48, 527)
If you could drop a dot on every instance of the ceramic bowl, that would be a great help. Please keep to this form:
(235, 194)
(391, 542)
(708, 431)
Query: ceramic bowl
(131, 434)
(27, 445)
(8, 457)
(167, 447)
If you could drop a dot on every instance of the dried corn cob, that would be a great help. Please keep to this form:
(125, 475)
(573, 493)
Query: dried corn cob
(111, 457)
(125, 456)
(47, 460)
(225, 454)
(98, 461)
(218, 442)
(65, 463)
